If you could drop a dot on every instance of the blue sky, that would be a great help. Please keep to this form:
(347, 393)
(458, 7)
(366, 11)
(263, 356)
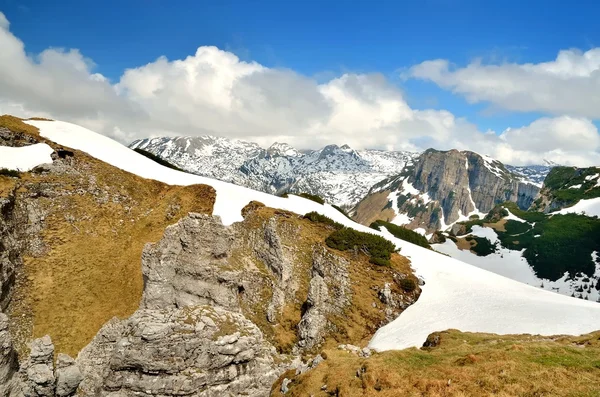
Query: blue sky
(322, 39)
(317, 38)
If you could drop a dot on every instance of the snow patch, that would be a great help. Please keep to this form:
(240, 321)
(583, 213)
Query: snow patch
(25, 158)
(589, 207)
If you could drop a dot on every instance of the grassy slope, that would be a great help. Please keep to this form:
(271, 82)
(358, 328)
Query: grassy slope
(463, 364)
(94, 231)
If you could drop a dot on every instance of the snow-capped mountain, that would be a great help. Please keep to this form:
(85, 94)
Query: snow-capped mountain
(531, 173)
(339, 174)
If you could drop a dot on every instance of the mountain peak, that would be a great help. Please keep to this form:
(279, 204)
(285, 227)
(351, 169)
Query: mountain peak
(282, 149)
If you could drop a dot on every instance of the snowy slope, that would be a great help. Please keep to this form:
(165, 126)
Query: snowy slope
(511, 264)
(590, 207)
(24, 158)
(456, 295)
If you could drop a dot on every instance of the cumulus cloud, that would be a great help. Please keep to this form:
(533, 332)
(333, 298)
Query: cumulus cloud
(567, 85)
(214, 92)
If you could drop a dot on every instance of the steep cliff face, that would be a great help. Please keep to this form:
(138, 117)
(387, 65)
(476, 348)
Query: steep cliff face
(444, 187)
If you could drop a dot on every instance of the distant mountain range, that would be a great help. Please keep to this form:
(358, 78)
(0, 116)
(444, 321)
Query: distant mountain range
(340, 174)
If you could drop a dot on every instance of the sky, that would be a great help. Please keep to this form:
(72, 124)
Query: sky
(519, 81)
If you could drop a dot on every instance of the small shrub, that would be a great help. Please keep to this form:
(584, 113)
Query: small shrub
(380, 261)
(484, 246)
(408, 284)
(402, 233)
(373, 245)
(157, 159)
(10, 173)
(316, 217)
(312, 197)
(341, 210)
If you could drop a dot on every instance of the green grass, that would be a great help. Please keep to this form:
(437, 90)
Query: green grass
(463, 364)
(402, 233)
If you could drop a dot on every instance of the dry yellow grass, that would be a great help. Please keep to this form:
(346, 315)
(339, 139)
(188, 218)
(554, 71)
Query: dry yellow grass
(94, 231)
(16, 124)
(464, 364)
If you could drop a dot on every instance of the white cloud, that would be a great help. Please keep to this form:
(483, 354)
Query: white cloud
(567, 85)
(214, 92)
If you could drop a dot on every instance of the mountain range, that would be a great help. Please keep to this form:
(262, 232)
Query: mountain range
(341, 175)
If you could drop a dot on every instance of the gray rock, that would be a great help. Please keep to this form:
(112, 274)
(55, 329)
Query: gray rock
(9, 365)
(284, 385)
(68, 376)
(228, 357)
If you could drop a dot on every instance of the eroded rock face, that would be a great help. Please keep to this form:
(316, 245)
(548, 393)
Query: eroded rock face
(464, 181)
(198, 330)
(193, 351)
(9, 364)
(329, 293)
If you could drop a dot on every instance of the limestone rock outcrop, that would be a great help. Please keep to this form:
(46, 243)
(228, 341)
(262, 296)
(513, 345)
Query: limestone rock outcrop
(443, 187)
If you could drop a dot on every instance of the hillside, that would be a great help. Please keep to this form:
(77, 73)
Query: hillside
(558, 252)
(566, 186)
(439, 272)
(341, 175)
(459, 364)
(204, 285)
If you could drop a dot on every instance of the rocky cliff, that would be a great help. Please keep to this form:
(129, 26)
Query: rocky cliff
(442, 188)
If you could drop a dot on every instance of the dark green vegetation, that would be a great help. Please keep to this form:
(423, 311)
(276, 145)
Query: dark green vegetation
(402, 233)
(312, 197)
(316, 217)
(157, 159)
(10, 173)
(483, 247)
(566, 243)
(378, 248)
(558, 185)
(408, 284)
(341, 210)
(529, 216)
